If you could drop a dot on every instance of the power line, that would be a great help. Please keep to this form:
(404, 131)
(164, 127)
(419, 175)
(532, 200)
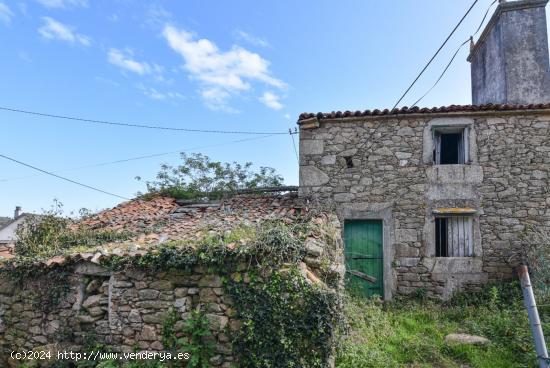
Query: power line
(454, 55)
(141, 157)
(63, 178)
(484, 17)
(436, 53)
(132, 125)
(442, 74)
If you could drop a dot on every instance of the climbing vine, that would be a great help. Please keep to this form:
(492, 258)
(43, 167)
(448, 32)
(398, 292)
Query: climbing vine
(285, 320)
(46, 287)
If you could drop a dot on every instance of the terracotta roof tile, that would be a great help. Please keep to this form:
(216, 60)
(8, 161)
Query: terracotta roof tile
(168, 219)
(6, 251)
(424, 110)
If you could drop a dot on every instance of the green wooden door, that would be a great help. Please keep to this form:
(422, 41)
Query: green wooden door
(364, 256)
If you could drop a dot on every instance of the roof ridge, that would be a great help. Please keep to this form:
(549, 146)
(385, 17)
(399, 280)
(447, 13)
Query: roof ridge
(423, 110)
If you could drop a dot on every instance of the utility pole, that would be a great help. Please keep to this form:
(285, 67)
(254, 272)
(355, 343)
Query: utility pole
(534, 320)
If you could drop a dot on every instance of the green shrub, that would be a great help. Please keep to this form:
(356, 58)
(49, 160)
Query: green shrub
(191, 339)
(194, 340)
(51, 233)
(40, 234)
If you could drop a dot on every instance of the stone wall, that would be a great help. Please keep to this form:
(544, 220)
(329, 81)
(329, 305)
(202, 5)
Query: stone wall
(123, 310)
(74, 303)
(118, 296)
(381, 167)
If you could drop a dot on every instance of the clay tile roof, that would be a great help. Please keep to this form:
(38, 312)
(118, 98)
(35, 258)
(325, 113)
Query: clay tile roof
(424, 110)
(170, 219)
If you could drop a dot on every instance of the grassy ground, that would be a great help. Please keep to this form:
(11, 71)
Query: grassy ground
(410, 333)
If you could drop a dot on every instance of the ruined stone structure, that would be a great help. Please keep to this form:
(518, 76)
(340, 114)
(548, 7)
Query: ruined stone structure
(382, 165)
(124, 309)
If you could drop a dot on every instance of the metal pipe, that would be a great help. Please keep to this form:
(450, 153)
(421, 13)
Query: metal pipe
(534, 320)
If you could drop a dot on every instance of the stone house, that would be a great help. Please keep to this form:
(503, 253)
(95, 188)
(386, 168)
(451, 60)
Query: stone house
(435, 200)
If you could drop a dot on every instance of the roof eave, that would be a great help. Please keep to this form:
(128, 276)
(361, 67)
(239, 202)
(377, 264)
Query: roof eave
(307, 123)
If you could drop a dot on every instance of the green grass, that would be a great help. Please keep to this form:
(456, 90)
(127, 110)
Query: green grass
(411, 332)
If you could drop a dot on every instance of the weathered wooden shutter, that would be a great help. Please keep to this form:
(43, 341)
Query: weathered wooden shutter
(460, 236)
(437, 144)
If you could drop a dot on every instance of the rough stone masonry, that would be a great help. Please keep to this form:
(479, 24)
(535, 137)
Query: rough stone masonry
(123, 310)
(380, 165)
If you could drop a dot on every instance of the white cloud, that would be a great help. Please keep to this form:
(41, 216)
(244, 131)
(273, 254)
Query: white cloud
(157, 16)
(157, 95)
(125, 61)
(55, 30)
(216, 99)
(253, 40)
(271, 100)
(221, 74)
(62, 3)
(5, 14)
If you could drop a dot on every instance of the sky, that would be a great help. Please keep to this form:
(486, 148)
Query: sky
(237, 65)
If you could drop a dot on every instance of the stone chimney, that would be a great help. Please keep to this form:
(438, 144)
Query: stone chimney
(509, 62)
(17, 212)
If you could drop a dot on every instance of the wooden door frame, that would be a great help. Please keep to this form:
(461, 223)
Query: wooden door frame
(383, 212)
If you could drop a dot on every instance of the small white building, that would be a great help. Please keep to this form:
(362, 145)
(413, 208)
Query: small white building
(7, 232)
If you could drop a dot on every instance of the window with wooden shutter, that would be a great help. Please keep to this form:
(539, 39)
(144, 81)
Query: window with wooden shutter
(454, 236)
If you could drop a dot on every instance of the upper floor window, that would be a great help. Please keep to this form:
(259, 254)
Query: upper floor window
(450, 145)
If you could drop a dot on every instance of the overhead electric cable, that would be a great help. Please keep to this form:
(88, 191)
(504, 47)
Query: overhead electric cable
(63, 178)
(436, 53)
(442, 74)
(454, 55)
(132, 125)
(140, 157)
(484, 17)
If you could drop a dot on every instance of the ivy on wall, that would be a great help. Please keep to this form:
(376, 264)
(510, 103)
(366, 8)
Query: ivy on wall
(286, 321)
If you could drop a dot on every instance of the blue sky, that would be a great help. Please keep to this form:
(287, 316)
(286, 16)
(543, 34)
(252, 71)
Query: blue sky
(232, 65)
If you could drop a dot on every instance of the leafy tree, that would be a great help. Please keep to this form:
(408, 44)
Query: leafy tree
(199, 176)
